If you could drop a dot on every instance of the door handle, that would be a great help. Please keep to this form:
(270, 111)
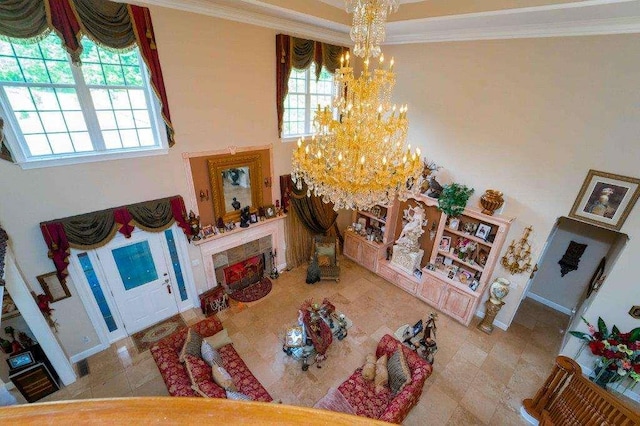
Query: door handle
(169, 288)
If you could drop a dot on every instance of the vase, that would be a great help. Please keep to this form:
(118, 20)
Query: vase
(499, 290)
(491, 201)
(602, 377)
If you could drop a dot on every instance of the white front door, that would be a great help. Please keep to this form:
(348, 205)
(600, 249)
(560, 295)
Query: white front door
(139, 279)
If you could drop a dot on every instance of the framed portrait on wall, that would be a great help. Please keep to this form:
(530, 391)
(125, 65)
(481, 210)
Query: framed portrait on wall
(606, 199)
(53, 288)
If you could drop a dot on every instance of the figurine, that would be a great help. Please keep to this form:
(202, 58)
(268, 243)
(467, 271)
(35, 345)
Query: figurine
(194, 224)
(435, 189)
(245, 217)
(220, 224)
(235, 204)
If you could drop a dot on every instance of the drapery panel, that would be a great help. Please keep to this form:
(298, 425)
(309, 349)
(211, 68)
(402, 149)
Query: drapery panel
(117, 26)
(96, 229)
(293, 52)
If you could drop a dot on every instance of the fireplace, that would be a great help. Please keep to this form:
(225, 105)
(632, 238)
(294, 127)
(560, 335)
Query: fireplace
(241, 266)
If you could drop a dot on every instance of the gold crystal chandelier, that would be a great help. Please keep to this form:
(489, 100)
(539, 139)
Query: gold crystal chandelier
(358, 156)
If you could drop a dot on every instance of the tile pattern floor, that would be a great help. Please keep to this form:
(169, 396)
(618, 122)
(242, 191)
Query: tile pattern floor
(477, 378)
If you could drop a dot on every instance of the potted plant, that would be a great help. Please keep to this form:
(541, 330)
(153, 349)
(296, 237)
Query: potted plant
(454, 199)
(618, 353)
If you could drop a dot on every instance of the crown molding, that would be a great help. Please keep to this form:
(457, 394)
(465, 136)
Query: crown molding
(564, 29)
(588, 17)
(293, 23)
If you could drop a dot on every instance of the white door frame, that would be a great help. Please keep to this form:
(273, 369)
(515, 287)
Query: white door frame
(106, 337)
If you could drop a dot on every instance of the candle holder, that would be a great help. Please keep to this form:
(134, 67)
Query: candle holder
(274, 266)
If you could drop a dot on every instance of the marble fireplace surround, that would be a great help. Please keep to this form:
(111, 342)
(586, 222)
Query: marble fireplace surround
(217, 244)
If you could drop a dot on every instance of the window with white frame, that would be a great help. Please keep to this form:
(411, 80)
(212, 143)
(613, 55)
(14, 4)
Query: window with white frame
(58, 111)
(303, 98)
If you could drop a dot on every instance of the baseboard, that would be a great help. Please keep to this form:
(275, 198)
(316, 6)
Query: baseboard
(86, 354)
(498, 324)
(549, 303)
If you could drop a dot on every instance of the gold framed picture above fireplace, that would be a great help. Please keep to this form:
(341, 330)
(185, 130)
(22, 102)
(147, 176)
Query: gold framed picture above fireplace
(235, 182)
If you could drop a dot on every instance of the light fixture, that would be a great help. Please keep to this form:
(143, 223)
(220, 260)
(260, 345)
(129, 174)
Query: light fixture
(358, 156)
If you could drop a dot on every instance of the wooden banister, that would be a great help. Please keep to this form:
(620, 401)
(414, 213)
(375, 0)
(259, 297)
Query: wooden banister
(173, 410)
(569, 398)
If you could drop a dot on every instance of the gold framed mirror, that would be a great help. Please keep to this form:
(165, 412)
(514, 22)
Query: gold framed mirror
(235, 181)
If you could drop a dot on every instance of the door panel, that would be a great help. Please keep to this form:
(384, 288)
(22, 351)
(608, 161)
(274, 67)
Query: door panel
(137, 274)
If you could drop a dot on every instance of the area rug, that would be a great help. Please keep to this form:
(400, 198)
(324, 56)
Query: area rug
(254, 292)
(146, 338)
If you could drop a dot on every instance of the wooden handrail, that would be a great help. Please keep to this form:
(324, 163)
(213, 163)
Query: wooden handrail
(569, 398)
(173, 410)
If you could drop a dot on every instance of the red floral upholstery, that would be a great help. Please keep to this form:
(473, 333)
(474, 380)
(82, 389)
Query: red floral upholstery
(201, 379)
(241, 375)
(384, 406)
(166, 352)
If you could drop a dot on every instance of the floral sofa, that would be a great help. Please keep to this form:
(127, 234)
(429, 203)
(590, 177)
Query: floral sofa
(361, 394)
(166, 355)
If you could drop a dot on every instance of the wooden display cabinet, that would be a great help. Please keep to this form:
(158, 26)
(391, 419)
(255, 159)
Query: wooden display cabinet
(369, 243)
(455, 294)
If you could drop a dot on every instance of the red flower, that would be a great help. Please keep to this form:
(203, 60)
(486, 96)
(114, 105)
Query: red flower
(636, 368)
(43, 304)
(597, 347)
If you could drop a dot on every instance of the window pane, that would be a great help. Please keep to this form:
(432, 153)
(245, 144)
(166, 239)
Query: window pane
(45, 99)
(133, 76)
(81, 141)
(129, 138)
(101, 98)
(27, 50)
(138, 101)
(60, 143)
(29, 122)
(108, 57)
(135, 264)
(34, 70)
(175, 262)
(68, 99)
(75, 121)
(146, 137)
(9, 69)
(93, 74)
(5, 48)
(107, 120)
(94, 284)
(113, 74)
(38, 144)
(52, 49)
(119, 99)
(141, 118)
(53, 122)
(20, 98)
(60, 72)
(111, 139)
(124, 119)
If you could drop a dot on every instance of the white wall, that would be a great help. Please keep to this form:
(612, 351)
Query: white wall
(567, 291)
(220, 81)
(530, 117)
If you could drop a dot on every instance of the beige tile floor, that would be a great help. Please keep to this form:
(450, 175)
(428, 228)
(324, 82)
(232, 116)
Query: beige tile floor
(477, 378)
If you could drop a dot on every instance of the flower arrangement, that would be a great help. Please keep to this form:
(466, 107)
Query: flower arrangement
(43, 304)
(464, 247)
(619, 353)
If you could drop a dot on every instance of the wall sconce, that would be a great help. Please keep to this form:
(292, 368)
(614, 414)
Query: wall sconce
(204, 196)
(267, 182)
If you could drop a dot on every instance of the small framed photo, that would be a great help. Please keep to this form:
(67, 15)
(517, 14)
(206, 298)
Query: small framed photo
(439, 260)
(448, 261)
(481, 257)
(207, 231)
(454, 223)
(417, 273)
(465, 277)
(483, 231)
(52, 287)
(431, 266)
(606, 199)
(269, 211)
(254, 218)
(445, 244)
(474, 285)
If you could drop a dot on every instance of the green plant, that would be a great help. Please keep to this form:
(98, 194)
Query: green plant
(454, 199)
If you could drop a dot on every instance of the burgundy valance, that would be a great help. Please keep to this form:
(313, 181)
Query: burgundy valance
(298, 53)
(118, 26)
(91, 230)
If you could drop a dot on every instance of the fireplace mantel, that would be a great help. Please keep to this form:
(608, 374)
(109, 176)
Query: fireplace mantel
(238, 236)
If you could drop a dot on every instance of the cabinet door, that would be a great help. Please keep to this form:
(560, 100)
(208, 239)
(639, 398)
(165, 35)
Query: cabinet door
(431, 290)
(406, 284)
(351, 247)
(369, 257)
(457, 304)
(386, 272)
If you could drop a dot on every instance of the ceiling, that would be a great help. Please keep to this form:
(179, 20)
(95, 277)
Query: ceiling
(421, 21)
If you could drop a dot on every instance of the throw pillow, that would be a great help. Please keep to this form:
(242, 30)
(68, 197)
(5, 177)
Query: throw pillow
(200, 375)
(210, 355)
(334, 400)
(369, 369)
(399, 373)
(382, 376)
(326, 249)
(219, 339)
(324, 261)
(222, 378)
(237, 396)
(192, 345)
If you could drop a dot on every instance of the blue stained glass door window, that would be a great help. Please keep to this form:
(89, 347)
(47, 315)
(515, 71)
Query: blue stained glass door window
(94, 284)
(135, 264)
(175, 262)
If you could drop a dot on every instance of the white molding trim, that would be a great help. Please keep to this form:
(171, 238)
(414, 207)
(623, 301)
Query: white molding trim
(290, 22)
(549, 303)
(499, 324)
(462, 27)
(86, 354)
